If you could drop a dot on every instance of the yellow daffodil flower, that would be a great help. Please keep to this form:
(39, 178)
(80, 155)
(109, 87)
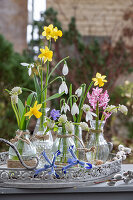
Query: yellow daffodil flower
(48, 30)
(99, 80)
(34, 111)
(46, 54)
(56, 33)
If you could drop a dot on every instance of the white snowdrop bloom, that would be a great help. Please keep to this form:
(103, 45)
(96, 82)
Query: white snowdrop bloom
(65, 70)
(62, 119)
(84, 126)
(16, 91)
(124, 157)
(65, 107)
(29, 66)
(112, 109)
(75, 109)
(69, 127)
(123, 109)
(14, 98)
(63, 88)
(89, 116)
(121, 147)
(78, 92)
(127, 150)
(86, 108)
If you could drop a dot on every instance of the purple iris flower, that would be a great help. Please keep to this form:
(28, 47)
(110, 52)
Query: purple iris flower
(55, 114)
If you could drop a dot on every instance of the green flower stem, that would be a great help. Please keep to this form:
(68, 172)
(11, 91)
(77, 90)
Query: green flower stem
(64, 144)
(81, 105)
(16, 113)
(97, 127)
(76, 141)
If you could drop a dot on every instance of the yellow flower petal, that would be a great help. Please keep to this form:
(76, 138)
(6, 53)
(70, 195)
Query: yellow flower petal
(39, 106)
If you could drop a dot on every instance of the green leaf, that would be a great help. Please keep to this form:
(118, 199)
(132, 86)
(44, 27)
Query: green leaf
(70, 94)
(38, 89)
(57, 66)
(20, 108)
(55, 96)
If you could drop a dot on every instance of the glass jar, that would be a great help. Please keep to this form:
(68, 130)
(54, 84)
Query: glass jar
(23, 145)
(79, 153)
(62, 143)
(97, 140)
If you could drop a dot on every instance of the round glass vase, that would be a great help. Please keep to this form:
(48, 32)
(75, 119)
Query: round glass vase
(25, 147)
(62, 143)
(79, 153)
(42, 142)
(97, 140)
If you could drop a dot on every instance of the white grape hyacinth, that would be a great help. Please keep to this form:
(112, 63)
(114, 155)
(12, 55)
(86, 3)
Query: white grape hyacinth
(29, 66)
(84, 126)
(65, 70)
(65, 107)
(14, 99)
(16, 91)
(75, 109)
(123, 109)
(89, 114)
(63, 88)
(69, 127)
(62, 119)
(78, 92)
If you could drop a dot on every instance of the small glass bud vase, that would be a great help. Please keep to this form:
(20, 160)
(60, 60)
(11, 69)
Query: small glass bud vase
(25, 147)
(62, 143)
(98, 143)
(79, 152)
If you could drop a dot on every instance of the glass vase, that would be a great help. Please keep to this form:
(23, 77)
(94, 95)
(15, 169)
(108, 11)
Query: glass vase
(97, 140)
(79, 153)
(25, 147)
(42, 142)
(62, 143)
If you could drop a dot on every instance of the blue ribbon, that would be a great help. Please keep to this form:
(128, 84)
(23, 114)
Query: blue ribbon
(74, 161)
(49, 165)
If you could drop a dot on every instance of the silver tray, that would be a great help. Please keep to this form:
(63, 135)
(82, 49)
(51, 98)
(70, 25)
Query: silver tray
(23, 178)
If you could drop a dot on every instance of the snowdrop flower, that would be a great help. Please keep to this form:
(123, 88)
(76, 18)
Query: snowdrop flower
(65, 107)
(14, 99)
(127, 150)
(84, 126)
(63, 88)
(65, 70)
(29, 66)
(123, 109)
(121, 147)
(78, 92)
(62, 119)
(75, 109)
(16, 91)
(69, 127)
(89, 115)
(111, 108)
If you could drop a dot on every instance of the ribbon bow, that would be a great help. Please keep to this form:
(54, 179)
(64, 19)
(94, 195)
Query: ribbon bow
(49, 165)
(74, 161)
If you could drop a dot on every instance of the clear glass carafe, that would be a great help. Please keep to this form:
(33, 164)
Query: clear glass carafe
(25, 147)
(97, 140)
(62, 143)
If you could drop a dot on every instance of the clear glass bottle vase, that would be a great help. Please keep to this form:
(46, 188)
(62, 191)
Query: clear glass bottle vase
(42, 142)
(79, 153)
(62, 143)
(25, 147)
(97, 140)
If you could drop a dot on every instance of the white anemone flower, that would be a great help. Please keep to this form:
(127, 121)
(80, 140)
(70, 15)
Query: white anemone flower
(69, 127)
(75, 109)
(78, 92)
(29, 66)
(62, 119)
(65, 107)
(65, 70)
(84, 126)
(63, 88)
(123, 109)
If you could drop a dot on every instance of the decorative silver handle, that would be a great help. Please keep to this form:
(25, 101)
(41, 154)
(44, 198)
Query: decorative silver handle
(19, 156)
